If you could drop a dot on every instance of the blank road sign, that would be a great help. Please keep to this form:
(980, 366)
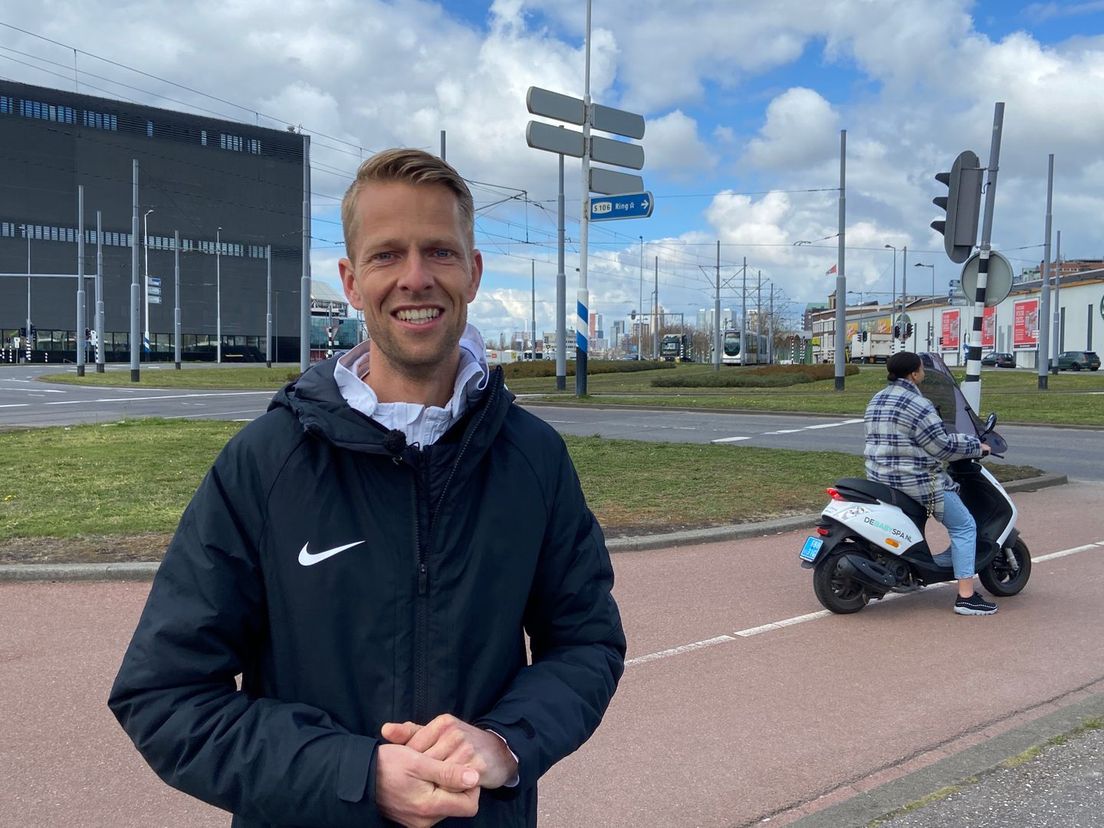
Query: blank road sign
(608, 151)
(554, 139)
(609, 182)
(617, 121)
(554, 105)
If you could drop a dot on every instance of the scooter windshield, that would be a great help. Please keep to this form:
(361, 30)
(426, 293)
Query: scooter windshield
(942, 389)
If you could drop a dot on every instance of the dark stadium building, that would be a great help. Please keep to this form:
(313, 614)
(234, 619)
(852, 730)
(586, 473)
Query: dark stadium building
(231, 190)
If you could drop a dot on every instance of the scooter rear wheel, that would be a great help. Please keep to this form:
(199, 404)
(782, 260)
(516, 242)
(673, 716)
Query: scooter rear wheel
(838, 593)
(1000, 579)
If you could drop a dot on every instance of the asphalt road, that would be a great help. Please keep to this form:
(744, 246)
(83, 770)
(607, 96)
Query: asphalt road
(742, 699)
(1076, 453)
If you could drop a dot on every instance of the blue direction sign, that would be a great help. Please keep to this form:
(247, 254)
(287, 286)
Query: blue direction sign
(626, 206)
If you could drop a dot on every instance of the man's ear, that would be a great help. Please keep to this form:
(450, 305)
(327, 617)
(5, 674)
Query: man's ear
(348, 283)
(476, 274)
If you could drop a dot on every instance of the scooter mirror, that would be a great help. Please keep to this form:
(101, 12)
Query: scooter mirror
(990, 423)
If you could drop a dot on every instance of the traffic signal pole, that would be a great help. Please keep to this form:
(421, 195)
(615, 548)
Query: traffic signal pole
(972, 387)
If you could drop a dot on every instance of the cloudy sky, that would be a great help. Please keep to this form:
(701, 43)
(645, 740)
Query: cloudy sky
(744, 103)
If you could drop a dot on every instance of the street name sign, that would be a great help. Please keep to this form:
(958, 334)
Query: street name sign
(624, 206)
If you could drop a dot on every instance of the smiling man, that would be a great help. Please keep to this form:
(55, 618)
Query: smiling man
(371, 556)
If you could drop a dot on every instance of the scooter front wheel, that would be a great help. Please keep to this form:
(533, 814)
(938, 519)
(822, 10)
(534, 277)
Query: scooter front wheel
(1000, 577)
(841, 594)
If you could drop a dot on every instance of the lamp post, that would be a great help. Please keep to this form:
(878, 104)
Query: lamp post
(893, 300)
(218, 295)
(931, 330)
(145, 245)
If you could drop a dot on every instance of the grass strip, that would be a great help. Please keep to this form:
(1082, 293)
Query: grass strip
(116, 491)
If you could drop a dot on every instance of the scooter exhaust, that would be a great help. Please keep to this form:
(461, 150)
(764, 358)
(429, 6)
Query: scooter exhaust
(865, 572)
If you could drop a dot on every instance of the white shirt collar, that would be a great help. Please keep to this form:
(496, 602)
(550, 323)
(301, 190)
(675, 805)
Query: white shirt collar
(422, 424)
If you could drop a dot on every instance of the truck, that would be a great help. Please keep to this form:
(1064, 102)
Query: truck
(868, 347)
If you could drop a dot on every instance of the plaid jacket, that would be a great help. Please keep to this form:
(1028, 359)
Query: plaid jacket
(907, 445)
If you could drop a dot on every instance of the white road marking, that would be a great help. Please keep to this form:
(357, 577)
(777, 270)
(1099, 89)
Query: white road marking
(685, 648)
(833, 425)
(1065, 552)
(814, 616)
(15, 405)
(786, 431)
(788, 622)
(163, 397)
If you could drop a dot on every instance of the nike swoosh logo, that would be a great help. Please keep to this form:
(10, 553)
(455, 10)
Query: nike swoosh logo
(310, 559)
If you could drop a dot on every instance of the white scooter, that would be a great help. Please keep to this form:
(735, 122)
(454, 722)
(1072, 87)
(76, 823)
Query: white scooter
(870, 538)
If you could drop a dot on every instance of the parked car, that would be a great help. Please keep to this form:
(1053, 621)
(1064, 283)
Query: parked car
(999, 360)
(1076, 360)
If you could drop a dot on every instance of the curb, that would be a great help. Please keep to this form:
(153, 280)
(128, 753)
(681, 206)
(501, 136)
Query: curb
(144, 570)
(965, 768)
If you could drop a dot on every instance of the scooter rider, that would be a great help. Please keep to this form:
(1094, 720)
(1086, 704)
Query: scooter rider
(906, 447)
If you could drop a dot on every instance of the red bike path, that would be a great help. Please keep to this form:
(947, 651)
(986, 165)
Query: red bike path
(742, 699)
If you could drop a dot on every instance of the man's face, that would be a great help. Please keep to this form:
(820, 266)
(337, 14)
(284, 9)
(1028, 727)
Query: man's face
(412, 273)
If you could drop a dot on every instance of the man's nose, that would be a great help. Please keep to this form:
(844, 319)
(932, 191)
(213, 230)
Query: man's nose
(416, 273)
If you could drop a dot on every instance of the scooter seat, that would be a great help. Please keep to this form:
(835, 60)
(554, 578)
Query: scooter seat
(913, 509)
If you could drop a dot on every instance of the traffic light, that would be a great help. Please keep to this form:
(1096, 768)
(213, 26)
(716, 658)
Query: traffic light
(908, 330)
(962, 203)
(896, 331)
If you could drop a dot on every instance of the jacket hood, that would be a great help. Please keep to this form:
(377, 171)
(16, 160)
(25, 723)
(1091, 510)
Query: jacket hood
(314, 400)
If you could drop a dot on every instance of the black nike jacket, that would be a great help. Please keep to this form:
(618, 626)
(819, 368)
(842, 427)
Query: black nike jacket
(351, 581)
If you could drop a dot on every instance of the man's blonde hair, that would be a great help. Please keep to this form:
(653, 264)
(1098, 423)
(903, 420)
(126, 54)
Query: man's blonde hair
(407, 166)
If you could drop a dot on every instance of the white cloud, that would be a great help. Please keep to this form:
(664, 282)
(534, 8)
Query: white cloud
(672, 144)
(800, 130)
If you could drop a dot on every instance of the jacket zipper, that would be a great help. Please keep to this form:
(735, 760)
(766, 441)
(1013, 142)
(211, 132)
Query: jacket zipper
(421, 615)
(463, 448)
(421, 610)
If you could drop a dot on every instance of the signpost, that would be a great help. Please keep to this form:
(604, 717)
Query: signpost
(155, 290)
(630, 200)
(625, 206)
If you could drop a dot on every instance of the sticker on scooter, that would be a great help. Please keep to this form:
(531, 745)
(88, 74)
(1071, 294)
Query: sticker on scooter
(885, 527)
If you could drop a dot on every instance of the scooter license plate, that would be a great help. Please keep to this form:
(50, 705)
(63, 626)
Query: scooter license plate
(811, 548)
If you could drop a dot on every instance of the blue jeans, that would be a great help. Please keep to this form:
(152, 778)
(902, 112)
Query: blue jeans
(963, 531)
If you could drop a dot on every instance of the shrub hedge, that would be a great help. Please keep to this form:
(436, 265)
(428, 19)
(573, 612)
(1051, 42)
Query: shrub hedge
(547, 367)
(762, 376)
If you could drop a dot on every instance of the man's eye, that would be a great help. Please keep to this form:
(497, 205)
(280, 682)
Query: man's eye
(442, 253)
(383, 256)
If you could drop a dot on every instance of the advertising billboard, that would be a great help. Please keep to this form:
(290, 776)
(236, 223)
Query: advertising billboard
(1025, 324)
(951, 337)
(989, 327)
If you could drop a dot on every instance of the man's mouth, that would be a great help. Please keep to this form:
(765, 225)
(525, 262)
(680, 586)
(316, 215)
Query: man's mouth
(418, 316)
